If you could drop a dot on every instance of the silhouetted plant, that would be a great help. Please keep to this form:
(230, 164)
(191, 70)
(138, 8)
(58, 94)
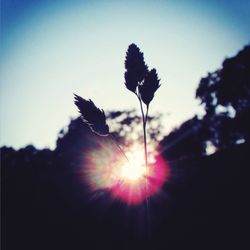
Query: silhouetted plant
(77, 137)
(139, 80)
(149, 86)
(142, 82)
(92, 116)
(95, 119)
(136, 69)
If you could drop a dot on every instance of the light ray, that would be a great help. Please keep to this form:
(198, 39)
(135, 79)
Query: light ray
(129, 181)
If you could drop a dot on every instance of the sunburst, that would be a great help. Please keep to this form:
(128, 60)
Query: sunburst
(129, 179)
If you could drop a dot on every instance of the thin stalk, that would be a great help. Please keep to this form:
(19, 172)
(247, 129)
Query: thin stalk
(146, 163)
(145, 137)
(142, 112)
(144, 132)
(146, 118)
(117, 144)
(145, 144)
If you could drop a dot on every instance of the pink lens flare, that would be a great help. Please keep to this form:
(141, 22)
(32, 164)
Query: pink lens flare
(128, 180)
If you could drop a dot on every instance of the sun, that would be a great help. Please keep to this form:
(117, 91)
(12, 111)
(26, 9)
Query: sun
(133, 173)
(125, 178)
(134, 168)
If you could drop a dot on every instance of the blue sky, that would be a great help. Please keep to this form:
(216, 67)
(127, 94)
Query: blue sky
(51, 49)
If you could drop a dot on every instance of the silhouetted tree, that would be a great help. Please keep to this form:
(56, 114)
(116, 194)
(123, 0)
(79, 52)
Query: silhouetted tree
(185, 142)
(75, 138)
(225, 95)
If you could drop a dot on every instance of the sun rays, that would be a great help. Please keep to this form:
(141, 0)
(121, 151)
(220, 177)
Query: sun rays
(124, 179)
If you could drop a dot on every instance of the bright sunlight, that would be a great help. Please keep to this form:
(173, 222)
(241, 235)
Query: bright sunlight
(126, 179)
(135, 169)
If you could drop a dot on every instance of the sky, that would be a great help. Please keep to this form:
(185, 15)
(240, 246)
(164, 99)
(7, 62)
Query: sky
(52, 49)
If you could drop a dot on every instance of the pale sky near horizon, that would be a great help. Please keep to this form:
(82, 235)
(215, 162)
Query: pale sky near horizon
(51, 49)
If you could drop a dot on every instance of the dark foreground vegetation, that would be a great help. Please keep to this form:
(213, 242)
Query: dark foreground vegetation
(203, 205)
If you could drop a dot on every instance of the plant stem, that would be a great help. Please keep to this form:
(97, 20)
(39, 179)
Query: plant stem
(117, 144)
(144, 121)
(145, 137)
(145, 144)
(146, 118)
(146, 164)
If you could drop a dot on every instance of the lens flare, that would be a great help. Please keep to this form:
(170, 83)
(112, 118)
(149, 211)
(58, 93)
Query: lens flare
(133, 173)
(125, 179)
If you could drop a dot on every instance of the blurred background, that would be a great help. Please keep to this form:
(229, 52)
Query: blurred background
(198, 122)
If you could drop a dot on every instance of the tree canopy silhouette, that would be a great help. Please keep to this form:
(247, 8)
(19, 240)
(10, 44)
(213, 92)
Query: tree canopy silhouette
(225, 94)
